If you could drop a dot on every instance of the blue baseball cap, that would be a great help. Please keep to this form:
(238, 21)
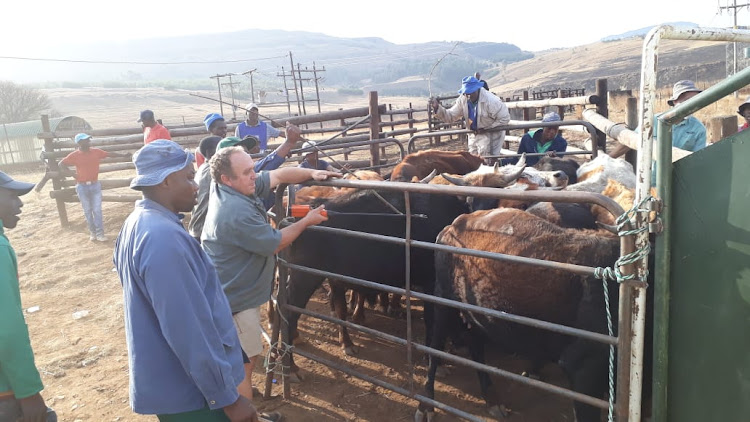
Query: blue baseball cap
(81, 136)
(551, 117)
(20, 188)
(212, 118)
(157, 160)
(470, 85)
(146, 115)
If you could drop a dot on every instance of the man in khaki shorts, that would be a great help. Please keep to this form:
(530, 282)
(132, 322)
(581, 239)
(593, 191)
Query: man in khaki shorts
(242, 244)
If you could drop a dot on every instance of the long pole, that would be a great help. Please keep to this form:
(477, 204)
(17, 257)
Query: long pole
(294, 80)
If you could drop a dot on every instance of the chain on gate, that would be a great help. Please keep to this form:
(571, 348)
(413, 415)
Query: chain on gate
(607, 274)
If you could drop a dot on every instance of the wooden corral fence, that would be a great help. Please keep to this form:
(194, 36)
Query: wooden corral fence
(524, 110)
(337, 137)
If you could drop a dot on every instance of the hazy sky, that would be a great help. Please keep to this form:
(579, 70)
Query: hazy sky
(532, 25)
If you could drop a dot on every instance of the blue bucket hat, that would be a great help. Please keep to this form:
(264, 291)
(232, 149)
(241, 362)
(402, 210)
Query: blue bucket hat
(470, 85)
(157, 160)
(210, 118)
(81, 136)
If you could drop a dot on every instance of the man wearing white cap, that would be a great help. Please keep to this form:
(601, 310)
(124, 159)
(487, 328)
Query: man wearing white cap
(311, 160)
(689, 134)
(183, 350)
(253, 126)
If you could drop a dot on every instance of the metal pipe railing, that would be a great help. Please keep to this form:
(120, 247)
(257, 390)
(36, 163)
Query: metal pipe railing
(531, 125)
(553, 196)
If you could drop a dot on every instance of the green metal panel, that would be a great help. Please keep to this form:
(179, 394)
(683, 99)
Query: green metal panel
(709, 331)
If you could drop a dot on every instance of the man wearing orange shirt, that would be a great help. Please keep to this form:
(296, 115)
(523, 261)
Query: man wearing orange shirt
(86, 161)
(152, 130)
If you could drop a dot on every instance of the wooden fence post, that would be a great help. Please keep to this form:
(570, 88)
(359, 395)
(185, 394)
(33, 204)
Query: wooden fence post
(561, 109)
(603, 109)
(52, 166)
(526, 110)
(374, 130)
(720, 127)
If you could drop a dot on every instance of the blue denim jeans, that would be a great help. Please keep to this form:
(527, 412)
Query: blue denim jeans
(91, 201)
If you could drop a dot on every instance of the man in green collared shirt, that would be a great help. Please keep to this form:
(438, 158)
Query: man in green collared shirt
(242, 244)
(20, 382)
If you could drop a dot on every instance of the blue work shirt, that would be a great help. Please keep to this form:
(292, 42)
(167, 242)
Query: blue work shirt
(183, 349)
(689, 134)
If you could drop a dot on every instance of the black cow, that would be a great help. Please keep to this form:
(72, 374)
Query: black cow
(567, 165)
(365, 258)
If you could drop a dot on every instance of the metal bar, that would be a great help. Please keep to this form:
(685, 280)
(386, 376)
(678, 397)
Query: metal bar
(557, 328)
(407, 289)
(538, 195)
(540, 154)
(567, 101)
(550, 388)
(534, 124)
(388, 386)
(553, 265)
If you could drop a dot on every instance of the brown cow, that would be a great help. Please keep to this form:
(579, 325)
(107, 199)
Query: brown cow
(546, 294)
(421, 164)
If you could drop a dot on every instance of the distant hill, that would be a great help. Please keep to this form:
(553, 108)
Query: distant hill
(640, 33)
(348, 62)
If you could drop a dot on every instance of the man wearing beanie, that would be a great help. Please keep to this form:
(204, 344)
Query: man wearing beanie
(482, 111)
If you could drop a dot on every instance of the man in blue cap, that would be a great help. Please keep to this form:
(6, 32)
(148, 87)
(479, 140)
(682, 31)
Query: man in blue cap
(20, 383)
(482, 111)
(216, 126)
(184, 353)
(86, 161)
(545, 140)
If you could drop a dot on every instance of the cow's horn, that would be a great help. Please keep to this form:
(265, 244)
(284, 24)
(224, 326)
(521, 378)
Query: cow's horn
(458, 181)
(429, 177)
(510, 178)
(521, 161)
(497, 167)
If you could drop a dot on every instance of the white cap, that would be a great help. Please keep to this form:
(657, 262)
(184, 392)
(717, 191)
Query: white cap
(309, 144)
(251, 106)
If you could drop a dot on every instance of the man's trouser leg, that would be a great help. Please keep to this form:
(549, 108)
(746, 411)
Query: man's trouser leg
(84, 196)
(96, 208)
(202, 415)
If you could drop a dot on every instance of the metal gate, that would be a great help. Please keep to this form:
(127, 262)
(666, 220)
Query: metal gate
(622, 341)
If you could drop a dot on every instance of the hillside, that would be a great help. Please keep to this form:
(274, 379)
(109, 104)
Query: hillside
(618, 61)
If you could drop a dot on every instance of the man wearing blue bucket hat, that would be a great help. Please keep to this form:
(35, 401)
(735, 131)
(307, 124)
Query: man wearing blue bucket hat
(86, 161)
(482, 111)
(184, 352)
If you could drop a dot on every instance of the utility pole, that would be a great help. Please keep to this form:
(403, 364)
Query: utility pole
(252, 87)
(294, 80)
(735, 9)
(218, 86)
(231, 90)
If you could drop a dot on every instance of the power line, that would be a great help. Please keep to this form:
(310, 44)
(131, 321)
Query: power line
(38, 59)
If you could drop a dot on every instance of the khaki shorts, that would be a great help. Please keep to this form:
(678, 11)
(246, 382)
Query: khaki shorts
(248, 327)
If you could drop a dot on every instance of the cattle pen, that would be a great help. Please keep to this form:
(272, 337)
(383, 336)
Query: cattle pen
(622, 340)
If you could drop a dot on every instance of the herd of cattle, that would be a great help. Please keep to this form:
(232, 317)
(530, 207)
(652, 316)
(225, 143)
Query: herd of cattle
(562, 232)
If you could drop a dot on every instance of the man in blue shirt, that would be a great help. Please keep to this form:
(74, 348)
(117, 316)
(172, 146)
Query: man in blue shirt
(184, 352)
(242, 244)
(546, 140)
(253, 126)
(689, 134)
